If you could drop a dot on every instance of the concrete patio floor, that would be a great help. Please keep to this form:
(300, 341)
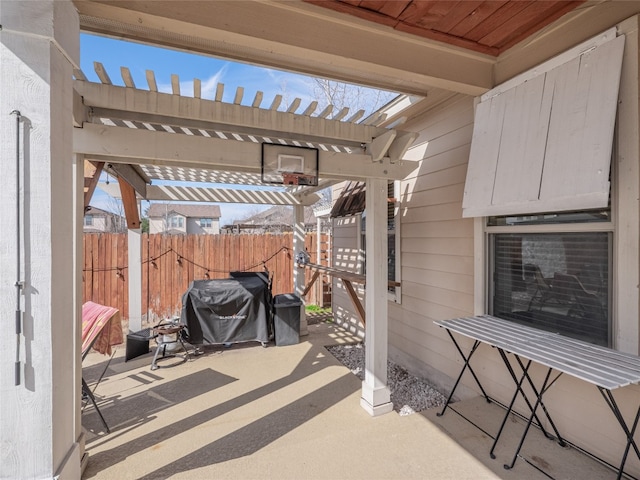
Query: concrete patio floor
(292, 412)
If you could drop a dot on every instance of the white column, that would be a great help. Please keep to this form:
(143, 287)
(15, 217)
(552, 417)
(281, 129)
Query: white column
(78, 255)
(39, 47)
(298, 272)
(319, 282)
(134, 272)
(626, 296)
(376, 398)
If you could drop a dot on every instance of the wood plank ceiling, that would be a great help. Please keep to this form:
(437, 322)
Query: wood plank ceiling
(489, 27)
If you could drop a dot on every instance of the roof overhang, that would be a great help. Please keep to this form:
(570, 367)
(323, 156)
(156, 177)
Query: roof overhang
(296, 39)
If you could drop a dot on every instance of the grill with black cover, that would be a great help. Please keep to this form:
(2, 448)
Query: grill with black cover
(228, 310)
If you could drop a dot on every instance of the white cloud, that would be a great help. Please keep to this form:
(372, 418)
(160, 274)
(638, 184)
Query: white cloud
(207, 86)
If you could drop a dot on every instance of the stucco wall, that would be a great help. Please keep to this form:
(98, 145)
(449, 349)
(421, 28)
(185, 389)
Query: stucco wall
(38, 430)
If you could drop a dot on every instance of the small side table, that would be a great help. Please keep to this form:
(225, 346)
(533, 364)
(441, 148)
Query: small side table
(163, 336)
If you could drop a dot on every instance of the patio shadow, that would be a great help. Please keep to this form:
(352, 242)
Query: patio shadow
(122, 414)
(251, 438)
(244, 441)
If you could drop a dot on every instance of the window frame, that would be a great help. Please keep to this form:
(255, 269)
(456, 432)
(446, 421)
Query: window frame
(484, 244)
(625, 216)
(394, 294)
(491, 258)
(176, 221)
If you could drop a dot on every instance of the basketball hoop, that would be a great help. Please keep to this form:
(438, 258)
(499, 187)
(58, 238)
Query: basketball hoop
(289, 165)
(297, 179)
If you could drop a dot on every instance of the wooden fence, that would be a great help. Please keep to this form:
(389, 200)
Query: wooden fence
(171, 262)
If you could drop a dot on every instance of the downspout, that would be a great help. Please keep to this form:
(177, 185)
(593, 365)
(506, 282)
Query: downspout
(19, 284)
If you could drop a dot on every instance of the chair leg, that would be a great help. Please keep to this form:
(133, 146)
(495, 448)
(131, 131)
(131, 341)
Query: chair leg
(186, 352)
(154, 365)
(105, 369)
(89, 393)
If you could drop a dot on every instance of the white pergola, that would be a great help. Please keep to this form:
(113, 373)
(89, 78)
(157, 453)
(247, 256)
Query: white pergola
(141, 135)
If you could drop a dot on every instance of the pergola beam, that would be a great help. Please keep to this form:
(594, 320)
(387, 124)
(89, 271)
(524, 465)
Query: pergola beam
(130, 204)
(133, 178)
(80, 112)
(110, 101)
(92, 171)
(134, 146)
(224, 195)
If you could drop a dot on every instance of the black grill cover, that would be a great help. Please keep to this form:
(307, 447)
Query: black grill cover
(227, 311)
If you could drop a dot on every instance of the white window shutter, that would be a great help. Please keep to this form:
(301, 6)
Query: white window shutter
(544, 144)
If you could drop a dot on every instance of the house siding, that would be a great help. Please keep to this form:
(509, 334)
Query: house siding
(99, 224)
(156, 225)
(438, 282)
(437, 245)
(193, 226)
(346, 256)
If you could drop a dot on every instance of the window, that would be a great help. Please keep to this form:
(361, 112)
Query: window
(176, 222)
(205, 222)
(542, 142)
(88, 220)
(393, 239)
(557, 281)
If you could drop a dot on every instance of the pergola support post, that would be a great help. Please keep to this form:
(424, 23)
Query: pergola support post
(376, 397)
(134, 272)
(298, 272)
(320, 284)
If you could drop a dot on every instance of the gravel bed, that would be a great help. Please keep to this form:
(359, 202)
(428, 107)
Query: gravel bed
(409, 394)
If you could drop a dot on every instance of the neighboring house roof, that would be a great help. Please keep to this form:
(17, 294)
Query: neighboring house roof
(186, 210)
(98, 212)
(112, 221)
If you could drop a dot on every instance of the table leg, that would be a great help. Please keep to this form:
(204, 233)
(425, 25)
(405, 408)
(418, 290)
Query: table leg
(545, 386)
(611, 402)
(513, 399)
(561, 441)
(466, 365)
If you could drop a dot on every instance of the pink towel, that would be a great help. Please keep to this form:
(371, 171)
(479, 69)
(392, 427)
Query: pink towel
(102, 322)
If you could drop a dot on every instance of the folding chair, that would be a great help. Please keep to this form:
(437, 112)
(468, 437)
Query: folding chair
(101, 329)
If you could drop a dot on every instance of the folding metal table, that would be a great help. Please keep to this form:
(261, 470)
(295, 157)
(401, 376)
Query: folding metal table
(603, 367)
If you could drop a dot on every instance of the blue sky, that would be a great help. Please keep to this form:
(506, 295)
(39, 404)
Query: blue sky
(114, 54)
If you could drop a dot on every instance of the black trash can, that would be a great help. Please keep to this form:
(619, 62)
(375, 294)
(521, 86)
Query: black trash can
(137, 343)
(286, 319)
